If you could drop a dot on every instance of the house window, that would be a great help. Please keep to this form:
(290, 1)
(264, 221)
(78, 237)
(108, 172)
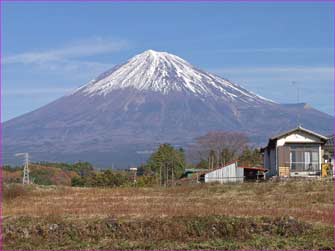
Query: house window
(304, 158)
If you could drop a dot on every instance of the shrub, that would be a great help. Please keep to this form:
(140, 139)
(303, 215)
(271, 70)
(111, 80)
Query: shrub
(103, 179)
(146, 181)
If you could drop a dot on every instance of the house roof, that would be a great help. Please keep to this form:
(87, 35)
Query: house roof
(330, 140)
(299, 128)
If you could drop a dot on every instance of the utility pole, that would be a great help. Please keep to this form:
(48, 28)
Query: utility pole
(210, 161)
(134, 170)
(294, 83)
(160, 174)
(172, 178)
(167, 175)
(25, 179)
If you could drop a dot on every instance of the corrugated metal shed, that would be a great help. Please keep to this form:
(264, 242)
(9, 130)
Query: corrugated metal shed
(229, 173)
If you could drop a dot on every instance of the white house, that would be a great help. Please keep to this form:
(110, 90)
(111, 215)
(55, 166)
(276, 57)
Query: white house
(298, 152)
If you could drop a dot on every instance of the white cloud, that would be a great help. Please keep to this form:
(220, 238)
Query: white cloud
(36, 91)
(280, 69)
(79, 68)
(273, 50)
(83, 48)
(315, 83)
(75, 72)
(67, 62)
(279, 73)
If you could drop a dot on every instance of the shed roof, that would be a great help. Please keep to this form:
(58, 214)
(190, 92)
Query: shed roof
(194, 170)
(236, 162)
(254, 168)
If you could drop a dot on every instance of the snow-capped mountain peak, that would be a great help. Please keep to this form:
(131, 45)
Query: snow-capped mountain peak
(164, 72)
(153, 98)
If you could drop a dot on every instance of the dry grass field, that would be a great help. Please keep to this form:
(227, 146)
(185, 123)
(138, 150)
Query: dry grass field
(292, 206)
(310, 201)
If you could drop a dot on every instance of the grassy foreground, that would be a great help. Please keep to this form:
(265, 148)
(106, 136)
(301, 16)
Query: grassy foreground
(285, 215)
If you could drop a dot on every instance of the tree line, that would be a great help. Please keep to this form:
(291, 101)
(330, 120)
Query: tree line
(168, 163)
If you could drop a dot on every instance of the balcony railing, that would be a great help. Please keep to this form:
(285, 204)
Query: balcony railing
(304, 167)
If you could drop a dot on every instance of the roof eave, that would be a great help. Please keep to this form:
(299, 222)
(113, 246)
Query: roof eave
(299, 128)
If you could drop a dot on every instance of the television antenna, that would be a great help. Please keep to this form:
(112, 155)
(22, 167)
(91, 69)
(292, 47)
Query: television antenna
(295, 83)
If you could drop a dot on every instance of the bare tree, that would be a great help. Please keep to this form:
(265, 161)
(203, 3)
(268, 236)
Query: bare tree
(219, 147)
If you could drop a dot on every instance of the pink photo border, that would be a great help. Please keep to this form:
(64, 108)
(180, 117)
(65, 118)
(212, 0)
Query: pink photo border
(129, 1)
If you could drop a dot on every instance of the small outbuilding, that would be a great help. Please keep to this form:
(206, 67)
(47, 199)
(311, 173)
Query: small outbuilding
(234, 173)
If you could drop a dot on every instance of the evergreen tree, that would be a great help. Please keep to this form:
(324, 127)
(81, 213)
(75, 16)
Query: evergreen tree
(167, 163)
(251, 157)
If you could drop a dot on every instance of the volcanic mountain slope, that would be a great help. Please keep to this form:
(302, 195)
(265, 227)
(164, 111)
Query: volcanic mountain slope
(155, 97)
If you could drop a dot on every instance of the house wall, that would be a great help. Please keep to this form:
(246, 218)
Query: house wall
(283, 160)
(270, 161)
(298, 137)
(266, 158)
(273, 157)
(230, 173)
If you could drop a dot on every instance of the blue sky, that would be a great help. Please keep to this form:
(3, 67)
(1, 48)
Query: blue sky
(50, 49)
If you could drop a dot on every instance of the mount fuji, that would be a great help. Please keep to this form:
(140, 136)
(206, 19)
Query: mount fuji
(155, 97)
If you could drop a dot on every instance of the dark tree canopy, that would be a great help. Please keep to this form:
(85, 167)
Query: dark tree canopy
(251, 157)
(166, 163)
